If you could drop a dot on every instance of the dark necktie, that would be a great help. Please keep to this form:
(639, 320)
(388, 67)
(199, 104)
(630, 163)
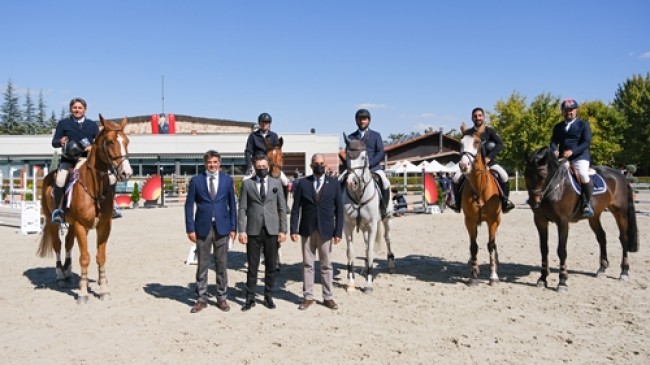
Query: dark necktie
(262, 190)
(213, 193)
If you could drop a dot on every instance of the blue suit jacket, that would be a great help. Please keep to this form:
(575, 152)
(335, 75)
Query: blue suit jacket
(577, 139)
(223, 208)
(70, 128)
(374, 147)
(324, 213)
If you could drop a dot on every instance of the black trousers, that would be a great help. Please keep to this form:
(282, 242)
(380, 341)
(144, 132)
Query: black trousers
(255, 245)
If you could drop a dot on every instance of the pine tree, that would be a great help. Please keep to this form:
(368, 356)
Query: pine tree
(42, 126)
(10, 112)
(51, 123)
(29, 116)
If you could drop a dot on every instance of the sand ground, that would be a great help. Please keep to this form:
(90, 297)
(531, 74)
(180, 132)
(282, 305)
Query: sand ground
(422, 314)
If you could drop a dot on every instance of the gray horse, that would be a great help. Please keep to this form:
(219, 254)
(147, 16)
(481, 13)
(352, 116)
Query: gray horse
(361, 198)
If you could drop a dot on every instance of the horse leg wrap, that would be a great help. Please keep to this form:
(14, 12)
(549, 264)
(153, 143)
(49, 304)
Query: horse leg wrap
(59, 271)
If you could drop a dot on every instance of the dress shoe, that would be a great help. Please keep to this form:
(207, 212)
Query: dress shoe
(268, 302)
(198, 306)
(331, 304)
(223, 305)
(305, 304)
(250, 303)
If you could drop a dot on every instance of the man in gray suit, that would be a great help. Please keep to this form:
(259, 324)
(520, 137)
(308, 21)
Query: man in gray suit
(262, 225)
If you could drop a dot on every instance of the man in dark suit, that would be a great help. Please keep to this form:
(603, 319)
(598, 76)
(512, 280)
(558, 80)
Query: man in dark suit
(262, 225)
(318, 206)
(375, 152)
(571, 139)
(212, 226)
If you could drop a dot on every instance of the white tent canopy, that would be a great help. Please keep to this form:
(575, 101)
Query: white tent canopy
(435, 167)
(405, 167)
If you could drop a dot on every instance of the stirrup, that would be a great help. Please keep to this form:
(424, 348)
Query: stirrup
(453, 207)
(58, 216)
(507, 206)
(587, 211)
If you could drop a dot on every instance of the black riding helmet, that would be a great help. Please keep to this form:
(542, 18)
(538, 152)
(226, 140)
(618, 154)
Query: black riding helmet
(72, 150)
(264, 117)
(362, 113)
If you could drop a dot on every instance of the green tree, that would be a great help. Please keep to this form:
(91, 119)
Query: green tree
(607, 129)
(509, 121)
(52, 122)
(42, 124)
(29, 115)
(632, 100)
(10, 112)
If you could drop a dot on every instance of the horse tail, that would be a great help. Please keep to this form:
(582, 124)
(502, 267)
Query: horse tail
(45, 248)
(632, 229)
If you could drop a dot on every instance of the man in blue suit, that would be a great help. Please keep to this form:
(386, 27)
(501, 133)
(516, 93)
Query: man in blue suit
(211, 227)
(318, 206)
(571, 140)
(375, 152)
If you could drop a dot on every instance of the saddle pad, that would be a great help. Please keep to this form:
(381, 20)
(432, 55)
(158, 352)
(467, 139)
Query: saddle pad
(600, 186)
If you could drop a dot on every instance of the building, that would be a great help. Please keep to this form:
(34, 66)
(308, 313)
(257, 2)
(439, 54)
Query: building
(429, 146)
(181, 150)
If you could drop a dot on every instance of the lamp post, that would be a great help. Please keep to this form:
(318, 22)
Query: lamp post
(162, 188)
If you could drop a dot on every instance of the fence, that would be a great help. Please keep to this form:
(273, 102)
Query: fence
(20, 212)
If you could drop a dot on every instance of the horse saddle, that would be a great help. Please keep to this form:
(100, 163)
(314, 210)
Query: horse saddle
(600, 187)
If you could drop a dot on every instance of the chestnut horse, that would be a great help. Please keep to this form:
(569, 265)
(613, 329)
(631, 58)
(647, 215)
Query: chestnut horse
(91, 206)
(480, 202)
(552, 198)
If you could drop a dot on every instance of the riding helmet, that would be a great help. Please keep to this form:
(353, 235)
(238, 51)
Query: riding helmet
(569, 104)
(72, 150)
(362, 113)
(264, 117)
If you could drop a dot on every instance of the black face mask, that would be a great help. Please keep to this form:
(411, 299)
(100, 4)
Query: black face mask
(261, 173)
(318, 169)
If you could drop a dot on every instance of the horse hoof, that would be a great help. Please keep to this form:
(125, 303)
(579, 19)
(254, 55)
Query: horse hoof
(562, 289)
(82, 299)
(542, 284)
(367, 291)
(600, 274)
(61, 283)
(494, 281)
(624, 277)
(105, 296)
(473, 282)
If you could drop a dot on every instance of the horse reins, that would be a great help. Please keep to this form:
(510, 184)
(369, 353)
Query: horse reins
(357, 202)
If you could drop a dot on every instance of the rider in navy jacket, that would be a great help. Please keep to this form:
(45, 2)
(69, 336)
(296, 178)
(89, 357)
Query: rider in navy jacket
(78, 133)
(375, 153)
(571, 140)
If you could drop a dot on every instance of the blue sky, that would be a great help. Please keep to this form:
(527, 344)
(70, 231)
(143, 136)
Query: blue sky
(312, 64)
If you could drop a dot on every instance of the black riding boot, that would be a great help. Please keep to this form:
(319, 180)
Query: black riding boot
(455, 187)
(506, 204)
(385, 198)
(57, 213)
(587, 191)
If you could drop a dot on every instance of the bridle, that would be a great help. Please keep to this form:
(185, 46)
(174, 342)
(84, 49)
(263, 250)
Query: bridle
(550, 186)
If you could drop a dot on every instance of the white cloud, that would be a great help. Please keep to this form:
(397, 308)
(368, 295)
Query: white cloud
(370, 106)
(645, 55)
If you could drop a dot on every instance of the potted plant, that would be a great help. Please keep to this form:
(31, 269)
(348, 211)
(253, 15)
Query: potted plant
(135, 195)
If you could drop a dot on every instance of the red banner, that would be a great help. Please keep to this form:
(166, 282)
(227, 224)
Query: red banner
(172, 124)
(155, 127)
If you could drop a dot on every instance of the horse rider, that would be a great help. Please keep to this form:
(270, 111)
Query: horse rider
(492, 144)
(255, 144)
(571, 140)
(375, 155)
(75, 135)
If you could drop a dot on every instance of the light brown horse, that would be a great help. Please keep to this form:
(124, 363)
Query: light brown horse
(275, 156)
(480, 202)
(91, 206)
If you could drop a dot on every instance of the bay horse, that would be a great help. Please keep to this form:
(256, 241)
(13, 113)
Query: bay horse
(480, 202)
(91, 206)
(361, 211)
(552, 199)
